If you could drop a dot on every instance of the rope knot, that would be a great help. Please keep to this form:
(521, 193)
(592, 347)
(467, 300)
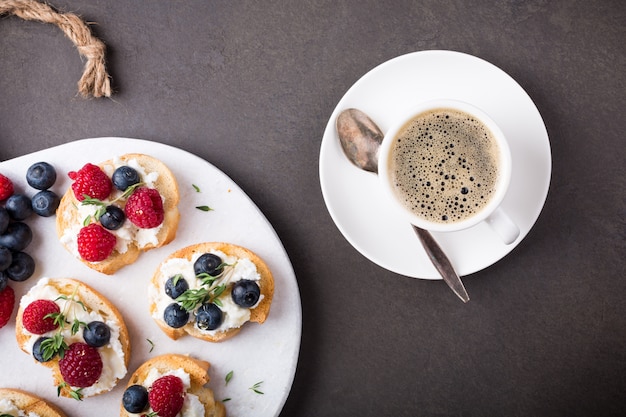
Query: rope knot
(95, 80)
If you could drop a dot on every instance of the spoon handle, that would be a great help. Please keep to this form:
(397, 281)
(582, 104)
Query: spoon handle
(442, 263)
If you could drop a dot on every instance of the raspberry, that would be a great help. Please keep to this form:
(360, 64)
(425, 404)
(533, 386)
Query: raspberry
(167, 395)
(34, 316)
(90, 180)
(95, 244)
(7, 302)
(6, 188)
(81, 365)
(144, 208)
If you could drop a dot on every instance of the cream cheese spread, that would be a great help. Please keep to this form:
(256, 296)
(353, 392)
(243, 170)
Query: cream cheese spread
(112, 354)
(7, 407)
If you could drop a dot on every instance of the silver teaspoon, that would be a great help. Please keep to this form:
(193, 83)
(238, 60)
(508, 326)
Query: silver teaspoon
(360, 139)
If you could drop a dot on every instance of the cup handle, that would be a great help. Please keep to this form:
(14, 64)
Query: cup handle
(502, 224)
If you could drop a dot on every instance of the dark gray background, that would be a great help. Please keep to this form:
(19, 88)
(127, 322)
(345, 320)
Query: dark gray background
(249, 86)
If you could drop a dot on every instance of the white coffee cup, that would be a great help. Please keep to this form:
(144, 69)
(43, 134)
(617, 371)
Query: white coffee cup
(446, 177)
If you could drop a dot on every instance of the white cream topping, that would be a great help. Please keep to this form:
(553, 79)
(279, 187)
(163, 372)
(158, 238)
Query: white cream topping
(192, 407)
(128, 233)
(112, 354)
(234, 315)
(8, 407)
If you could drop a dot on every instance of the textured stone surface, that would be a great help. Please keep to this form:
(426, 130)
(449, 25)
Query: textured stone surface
(249, 86)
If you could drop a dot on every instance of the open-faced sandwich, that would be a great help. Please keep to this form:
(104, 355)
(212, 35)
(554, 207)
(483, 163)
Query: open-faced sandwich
(171, 385)
(210, 290)
(115, 210)
(76, 332)
(19, 403)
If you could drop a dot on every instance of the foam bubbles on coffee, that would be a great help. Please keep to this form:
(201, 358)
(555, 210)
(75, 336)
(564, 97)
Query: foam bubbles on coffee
(444, 165)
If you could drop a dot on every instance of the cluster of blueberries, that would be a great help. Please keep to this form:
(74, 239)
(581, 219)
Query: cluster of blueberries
(209, 316)
(15, 234)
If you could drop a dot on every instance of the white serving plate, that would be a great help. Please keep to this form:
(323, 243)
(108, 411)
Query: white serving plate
(266, 353)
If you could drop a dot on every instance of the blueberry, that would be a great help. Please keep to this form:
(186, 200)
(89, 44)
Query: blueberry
(96, 334)
(4, 219)
(113, 218)
(175, 286)
(6, 257)
(246, 293)
(135, 399)
(4, 280)
(22, 267)
(19, 206)
(41, 175)
(208, 264)
(45, 203)
(38, 352)
(175, 316)
(124, 177)
(209, 317)
(17, 236)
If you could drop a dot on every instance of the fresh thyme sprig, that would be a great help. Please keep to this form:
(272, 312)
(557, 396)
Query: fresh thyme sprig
(212, 287)
(56, 345)
(256, 387)
(53, 346)
(76, 394)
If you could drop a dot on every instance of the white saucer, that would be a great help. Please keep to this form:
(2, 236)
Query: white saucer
(354, 199)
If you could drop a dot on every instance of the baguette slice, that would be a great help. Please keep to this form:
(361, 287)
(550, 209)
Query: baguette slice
(258, 314)
(199, 376)
(93, 302)
(68, 217)
(30, 403)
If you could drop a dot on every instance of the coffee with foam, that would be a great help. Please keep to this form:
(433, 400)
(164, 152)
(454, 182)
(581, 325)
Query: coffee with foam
(444, 165)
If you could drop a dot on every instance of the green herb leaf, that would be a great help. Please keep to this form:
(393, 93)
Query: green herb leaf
(204, 208)
(57, 318)
(77, 394)
(224, 400)
(256, 387)
(151, 345)
(192, 297)
(195, 187)
(217, 291)
(129, 191)
(229, 376)
(89, 201)
(176, 278)
(60, 387)
(76, 326)
(53, 346)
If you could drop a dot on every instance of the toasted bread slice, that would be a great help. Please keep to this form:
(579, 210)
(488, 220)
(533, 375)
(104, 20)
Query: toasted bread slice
(195, 368)
(29, 403)
(258, 313)
(85, 300)
(69, 220)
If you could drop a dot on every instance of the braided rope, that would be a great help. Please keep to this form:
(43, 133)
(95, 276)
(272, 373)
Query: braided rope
(95, 80)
